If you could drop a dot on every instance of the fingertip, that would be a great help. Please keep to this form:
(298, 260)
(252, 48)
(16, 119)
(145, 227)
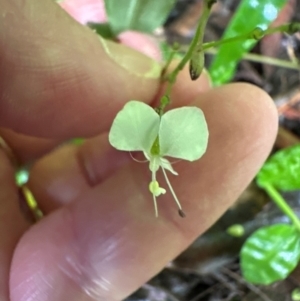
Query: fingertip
(252, 108)
(247, 115)
(243, 122)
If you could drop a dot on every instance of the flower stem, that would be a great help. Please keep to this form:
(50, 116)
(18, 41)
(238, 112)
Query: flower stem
(282, 204)
(175, 49)
(195, 52)
(197, 40)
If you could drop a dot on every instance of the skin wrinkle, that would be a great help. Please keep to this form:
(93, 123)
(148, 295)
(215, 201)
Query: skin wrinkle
(98, 288)
(87, 170)
(33, 292)
(80, 269)
(27, 289)
(94, 171)
(49, 267)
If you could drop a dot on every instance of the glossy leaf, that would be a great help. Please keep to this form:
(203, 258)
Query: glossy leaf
(282, 170)
(249, 15)
(139, 15)
(270, 254)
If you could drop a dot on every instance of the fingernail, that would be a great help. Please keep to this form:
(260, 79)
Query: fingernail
(132, 60)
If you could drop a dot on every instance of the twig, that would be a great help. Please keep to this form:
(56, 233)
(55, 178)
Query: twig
(207, 291)
(152, 288)
(251, 287)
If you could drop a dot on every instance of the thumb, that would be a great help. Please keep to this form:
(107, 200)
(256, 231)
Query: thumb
(58, 79)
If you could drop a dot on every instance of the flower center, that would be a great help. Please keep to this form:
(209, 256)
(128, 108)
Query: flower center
(155, 147)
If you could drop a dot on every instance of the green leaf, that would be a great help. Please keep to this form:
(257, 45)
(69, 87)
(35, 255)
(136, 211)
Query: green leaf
(270, 254)
(249, 15)
(139, 15)
(102, 29)
(296, 294)
(282, 170)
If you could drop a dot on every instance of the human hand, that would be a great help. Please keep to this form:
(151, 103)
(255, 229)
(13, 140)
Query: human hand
(99, 239)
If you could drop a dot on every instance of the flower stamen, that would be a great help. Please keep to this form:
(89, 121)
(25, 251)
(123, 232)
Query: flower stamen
(180, 211)
(156, 191)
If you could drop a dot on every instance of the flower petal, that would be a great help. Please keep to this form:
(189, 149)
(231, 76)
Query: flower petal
(135, 127)
(164, 163)
(183, 133)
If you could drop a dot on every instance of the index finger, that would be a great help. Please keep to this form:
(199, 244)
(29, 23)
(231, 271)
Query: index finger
(58, 78)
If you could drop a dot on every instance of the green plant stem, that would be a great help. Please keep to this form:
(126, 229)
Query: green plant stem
(255, 34)
(175, 49)
(197, 45)
(263, 59)
(282, 204)
(171, 78)
(194, 44)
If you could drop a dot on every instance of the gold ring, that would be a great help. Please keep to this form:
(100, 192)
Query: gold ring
(26, 194)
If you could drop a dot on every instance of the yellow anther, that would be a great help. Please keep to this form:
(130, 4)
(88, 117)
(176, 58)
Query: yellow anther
(155, 189)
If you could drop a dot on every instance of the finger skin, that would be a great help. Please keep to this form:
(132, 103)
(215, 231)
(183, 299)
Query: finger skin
(74, 170)
(86, 165)
(27, 147)
(58, 73)
(85, 11)
(107, 242)
(12, 222)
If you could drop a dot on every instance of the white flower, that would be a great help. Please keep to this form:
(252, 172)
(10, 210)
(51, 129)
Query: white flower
(179, 133)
